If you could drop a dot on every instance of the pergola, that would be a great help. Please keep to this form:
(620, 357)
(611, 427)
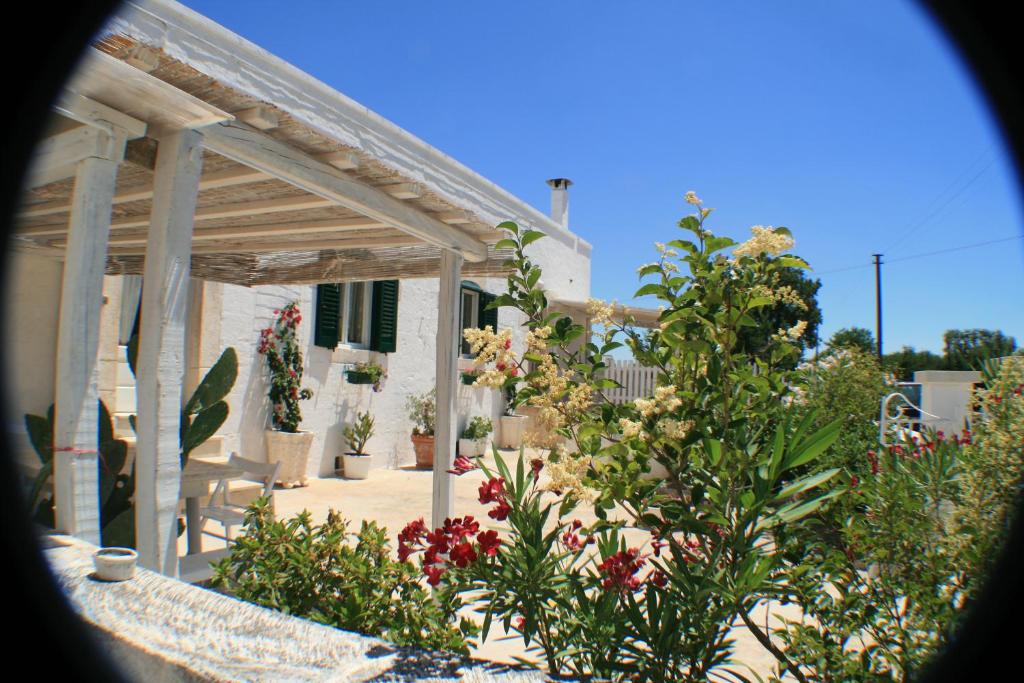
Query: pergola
(152, 167)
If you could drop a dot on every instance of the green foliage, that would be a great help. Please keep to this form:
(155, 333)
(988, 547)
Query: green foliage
(968, 349)
(359, 432)
(847, 386)
(853, 337)
(370, 371)
(315, 572)
(206, 410)
(784, 313)
(478, 428)
(737, 466)
(905, 362)
(116, 488)
(422, 412)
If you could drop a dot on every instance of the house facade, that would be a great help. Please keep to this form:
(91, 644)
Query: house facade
(195, 181)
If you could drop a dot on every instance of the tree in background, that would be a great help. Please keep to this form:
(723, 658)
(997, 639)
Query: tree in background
(905, 362)
(853, 337)
(968, 349)
(796, 300)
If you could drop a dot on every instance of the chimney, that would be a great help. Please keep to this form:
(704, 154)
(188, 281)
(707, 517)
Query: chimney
(560, 200)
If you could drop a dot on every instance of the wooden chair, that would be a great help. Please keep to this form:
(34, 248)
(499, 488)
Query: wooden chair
(228, 513)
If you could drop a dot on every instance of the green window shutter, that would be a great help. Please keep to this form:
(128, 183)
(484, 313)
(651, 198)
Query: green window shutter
(384, 325)
(487, 316)
(327, 323)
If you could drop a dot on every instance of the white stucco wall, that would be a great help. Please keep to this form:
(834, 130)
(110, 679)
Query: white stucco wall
(410, 371)
(31, 306)
(947, 394)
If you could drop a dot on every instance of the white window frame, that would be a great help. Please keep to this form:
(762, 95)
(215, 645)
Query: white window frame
(474, 317)
(346, 314)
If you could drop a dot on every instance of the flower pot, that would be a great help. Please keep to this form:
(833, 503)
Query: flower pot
(468, 378)
(423, 444)
(472, 448)
(357, 466)
(512, 427)
(292, 451)
(356, 377)
(115, 564)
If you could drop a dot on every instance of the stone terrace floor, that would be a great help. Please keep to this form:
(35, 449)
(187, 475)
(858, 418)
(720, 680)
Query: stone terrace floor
(393, 498)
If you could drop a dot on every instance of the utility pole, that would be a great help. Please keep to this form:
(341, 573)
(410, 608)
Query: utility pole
(878, 302)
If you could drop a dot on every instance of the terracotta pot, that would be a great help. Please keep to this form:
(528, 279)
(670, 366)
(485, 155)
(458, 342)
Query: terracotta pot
(424, 446)
(292, 451)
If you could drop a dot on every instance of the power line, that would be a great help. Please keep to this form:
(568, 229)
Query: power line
(929, 253)
(914, 228)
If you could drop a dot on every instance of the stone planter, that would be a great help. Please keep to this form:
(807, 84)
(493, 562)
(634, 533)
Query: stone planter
(472, 448)
(357, 466)
(512, 428)
(292, 451)
(115, 564)
(424, 447)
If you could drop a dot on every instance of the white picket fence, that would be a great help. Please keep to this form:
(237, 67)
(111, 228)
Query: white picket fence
(637, 381)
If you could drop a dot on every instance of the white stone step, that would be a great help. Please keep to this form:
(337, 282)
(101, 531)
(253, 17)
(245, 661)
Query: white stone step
(124, 400)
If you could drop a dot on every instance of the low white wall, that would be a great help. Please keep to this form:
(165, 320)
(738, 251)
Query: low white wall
(947, 394)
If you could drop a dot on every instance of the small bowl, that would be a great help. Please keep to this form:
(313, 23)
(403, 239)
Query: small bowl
(115, 564)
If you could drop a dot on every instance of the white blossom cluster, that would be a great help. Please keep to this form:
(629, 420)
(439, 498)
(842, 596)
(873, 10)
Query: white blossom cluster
(766, 240)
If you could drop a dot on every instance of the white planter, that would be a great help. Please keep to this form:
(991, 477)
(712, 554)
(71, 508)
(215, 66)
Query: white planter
(357, 466)
(472, 447)
(292, 451)
(512, 427)
(115, 564)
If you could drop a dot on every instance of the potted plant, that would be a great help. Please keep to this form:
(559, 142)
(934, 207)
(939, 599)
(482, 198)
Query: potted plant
(357, 460)
(422, 412)
(366, 373)
(469, 376)
(474, 436)
(512, 425)
(285, 443)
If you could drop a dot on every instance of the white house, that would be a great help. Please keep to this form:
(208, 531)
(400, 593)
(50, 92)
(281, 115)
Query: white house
(233, 183)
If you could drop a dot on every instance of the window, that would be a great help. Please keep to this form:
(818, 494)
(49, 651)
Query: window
(362, 315)
(474, 311)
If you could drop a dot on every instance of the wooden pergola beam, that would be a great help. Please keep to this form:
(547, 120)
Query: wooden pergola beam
(289, 230)
(57, 157)
(278, 246)
(230, 177)
(258, 150)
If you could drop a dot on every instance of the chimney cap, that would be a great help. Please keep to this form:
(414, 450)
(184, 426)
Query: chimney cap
(559, 183)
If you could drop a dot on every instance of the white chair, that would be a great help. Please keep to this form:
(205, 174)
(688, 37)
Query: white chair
(228, 513)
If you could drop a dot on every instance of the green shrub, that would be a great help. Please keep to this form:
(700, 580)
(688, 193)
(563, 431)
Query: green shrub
(359, 432)
(478, 428)
(312, 571)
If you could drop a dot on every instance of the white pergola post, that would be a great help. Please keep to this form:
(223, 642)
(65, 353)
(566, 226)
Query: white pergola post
(448, 343)
(161, 360)
(76, 474)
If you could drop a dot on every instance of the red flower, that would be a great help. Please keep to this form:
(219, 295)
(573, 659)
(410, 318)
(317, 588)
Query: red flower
(433, 573)
(413, 531)
(658, 578)
(571, 541)
(463, 554)
(508, 343)
(536, 465)
(854, 480)
(500, 366)
(404, 551)
(520, 623)
(501, 512)
(489, 543)
(620, 570)
(492, 490)
(873, 459)
(513, 372)
(460, 527)
(462, 465)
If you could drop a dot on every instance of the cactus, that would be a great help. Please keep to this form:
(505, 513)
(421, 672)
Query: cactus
(116, 488)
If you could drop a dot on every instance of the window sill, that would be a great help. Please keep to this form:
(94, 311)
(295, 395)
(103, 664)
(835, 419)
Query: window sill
(348, 354)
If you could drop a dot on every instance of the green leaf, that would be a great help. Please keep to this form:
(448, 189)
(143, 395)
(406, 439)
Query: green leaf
(650, 288)
(205, 425)
(40, 433)
(510, 226)
(814, 446)
(37, 484)
(505, 243)
(805, 484)
(530, 236)
(120, 531)
(216, 384)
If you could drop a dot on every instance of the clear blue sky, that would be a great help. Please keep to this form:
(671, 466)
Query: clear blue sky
(852, 123)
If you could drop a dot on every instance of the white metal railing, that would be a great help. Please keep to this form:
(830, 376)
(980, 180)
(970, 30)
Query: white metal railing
(636, 380)
(895, 422)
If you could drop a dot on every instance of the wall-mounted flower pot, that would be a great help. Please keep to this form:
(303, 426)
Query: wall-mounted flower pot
(292, 451)
(424, 447)
(356, 377)
(357, 466)
(115, 564)
(468, 378)
(512, 427)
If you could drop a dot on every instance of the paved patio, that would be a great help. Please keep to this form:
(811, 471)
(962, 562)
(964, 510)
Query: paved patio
(392, 498)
